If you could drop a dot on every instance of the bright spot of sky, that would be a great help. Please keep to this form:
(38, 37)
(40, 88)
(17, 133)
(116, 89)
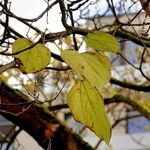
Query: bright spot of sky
(31, 9)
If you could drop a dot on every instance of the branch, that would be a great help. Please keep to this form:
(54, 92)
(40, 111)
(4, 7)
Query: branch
(10, 65)
(133, 37)
(124, 118)
(5, 33)
(50, 37)
(119, 33)
(11, 29)
(63, 12)
(130, 85)
(133, 103)
(116, 99)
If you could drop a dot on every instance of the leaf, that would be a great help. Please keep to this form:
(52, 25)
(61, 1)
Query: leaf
(147, 127)
(93, 66)
(86, 105)
(32, 60)
(102, 41)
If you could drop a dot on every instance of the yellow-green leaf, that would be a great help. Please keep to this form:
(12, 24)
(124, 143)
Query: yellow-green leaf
(147, 127)
(86, 105)
(33, 59)
(95, 67)
(102, 41)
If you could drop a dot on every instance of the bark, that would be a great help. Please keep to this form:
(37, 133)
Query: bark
(37, 121)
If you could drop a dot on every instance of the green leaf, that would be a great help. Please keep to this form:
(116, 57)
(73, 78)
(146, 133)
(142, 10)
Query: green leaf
(95, 67)
(86, 105)
(32, 60)
(102, 41)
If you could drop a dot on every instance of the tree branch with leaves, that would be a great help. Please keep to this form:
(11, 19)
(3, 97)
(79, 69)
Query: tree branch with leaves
(79, 77)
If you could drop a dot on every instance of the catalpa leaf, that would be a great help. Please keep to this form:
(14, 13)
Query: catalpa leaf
(102, 41)
(86, 105)
(95, 67)
(33, 59)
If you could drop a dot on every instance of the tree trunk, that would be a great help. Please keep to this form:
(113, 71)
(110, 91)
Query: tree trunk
(38, 122)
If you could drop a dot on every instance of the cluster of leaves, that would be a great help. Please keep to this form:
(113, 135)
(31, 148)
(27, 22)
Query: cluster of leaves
(93, 69)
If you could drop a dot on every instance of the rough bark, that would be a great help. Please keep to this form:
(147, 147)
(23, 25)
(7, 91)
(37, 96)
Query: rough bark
(38, 122)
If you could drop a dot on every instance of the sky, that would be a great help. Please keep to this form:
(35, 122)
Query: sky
(31, 9)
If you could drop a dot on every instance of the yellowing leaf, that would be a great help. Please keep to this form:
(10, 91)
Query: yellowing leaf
(93, 66)
(86, 104)
(32, 60)
(147, 127)
(102, 41)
